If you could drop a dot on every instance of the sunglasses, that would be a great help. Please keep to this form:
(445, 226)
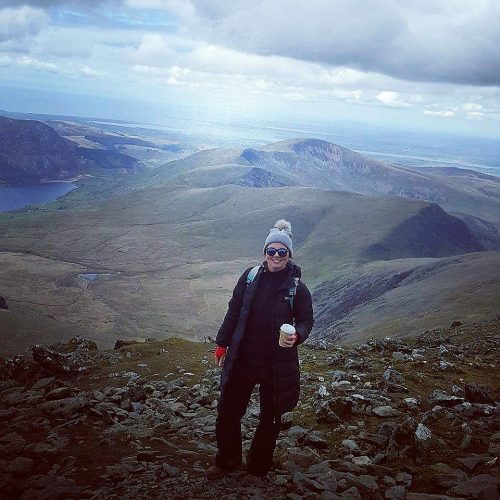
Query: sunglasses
(282, 252)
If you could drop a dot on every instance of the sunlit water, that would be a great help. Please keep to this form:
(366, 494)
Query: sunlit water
(392, 146)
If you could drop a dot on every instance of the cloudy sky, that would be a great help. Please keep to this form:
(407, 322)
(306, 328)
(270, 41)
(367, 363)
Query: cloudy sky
(431, 64)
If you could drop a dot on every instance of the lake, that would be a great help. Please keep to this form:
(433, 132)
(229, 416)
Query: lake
(13, 197)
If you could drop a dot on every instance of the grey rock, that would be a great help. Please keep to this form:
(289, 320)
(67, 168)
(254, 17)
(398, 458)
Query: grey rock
(43, 383)
(316, 439)
(286, 420)
(328, 495)
(8, 414)
(74, 357)
(350, 444)
(281, 480)
(65, 408)
(14, 396)
(12, 443)
(392, 376)
(400, 356)
(98, 395)
(481, 486)
(423, 435)
(478, 394)
(375, 439)
(320, 468)
(147, 456)
(470, 463)
(445, 366)
(396, 492)
(427, 496)
(386, 411)
(351, 494)
(170, 470)
(40, 450)
(441, 398)
(21, 466)
(366, 482)
(411, 402)
(60, 487)
(291, 467)
(297, 432)
(362, 460)
(404, 478)
(59, 393)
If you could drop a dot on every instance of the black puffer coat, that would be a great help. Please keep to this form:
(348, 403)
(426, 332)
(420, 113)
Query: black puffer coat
(285, 360)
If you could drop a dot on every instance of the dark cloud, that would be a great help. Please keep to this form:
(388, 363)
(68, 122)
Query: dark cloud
(455, 41)
(42, 4)
(17, 24)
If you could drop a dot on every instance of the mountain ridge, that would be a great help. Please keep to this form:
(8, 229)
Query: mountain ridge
(32, 152)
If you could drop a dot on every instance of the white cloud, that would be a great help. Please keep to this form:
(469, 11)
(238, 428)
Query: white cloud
(153, 50)
(472, 107)
(456, 41)
(439, 114)
(391, 99)
(376, 55)
(5, 61)
(183, 8)
(89, 72)
(17, 24)
(30, 62)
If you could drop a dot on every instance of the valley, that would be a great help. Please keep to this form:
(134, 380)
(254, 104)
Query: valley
(386, 250)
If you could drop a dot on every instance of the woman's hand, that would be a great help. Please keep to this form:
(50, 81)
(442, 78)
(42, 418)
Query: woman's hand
(289, 341)
(220, 355)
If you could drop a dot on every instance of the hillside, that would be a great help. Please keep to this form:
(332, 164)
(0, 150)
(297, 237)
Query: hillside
(317, 163)
(387, 418)
(33, 152)
(165, 259)
(160, 251)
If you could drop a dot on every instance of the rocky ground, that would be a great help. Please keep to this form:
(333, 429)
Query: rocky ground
(415, 418)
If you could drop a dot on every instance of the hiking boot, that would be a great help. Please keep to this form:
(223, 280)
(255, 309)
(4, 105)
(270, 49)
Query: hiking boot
(216, 472)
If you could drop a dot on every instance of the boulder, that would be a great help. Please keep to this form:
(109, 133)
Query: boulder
(74, 357)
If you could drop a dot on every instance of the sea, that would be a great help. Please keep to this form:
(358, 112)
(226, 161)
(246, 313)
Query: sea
(410, 148)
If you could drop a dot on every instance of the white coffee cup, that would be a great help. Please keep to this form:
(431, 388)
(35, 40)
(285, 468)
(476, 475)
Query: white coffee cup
(286, 331)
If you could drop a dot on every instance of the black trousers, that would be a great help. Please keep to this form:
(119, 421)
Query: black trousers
(231, 408)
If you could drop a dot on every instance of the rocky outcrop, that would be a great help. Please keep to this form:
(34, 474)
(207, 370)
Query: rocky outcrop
(383, 419)
(31, 151)
(259, 178)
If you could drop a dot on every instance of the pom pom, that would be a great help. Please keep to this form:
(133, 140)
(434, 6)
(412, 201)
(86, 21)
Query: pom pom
(283, 225)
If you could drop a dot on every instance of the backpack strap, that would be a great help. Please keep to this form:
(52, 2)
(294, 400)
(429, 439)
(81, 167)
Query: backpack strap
(251, 275)
(292, 291)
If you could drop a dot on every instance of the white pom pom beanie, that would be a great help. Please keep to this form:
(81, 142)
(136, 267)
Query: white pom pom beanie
(280, 233)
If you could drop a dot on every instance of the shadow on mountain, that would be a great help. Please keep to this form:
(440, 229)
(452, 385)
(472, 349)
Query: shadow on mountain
(430, 233)
(485, 231)
(108, 159)
(260, 177)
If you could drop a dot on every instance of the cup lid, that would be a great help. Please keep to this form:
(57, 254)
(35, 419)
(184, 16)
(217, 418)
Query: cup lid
(290, 329)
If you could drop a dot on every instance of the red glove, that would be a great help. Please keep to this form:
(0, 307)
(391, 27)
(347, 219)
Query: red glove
(219, 352)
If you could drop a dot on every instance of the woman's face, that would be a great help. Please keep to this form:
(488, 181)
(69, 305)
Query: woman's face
(276, 263)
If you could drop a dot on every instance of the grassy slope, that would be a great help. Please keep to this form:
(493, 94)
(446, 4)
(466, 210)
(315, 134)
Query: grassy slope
(171, 255)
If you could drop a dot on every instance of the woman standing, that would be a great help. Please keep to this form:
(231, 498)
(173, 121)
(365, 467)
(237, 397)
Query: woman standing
(249, 349)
